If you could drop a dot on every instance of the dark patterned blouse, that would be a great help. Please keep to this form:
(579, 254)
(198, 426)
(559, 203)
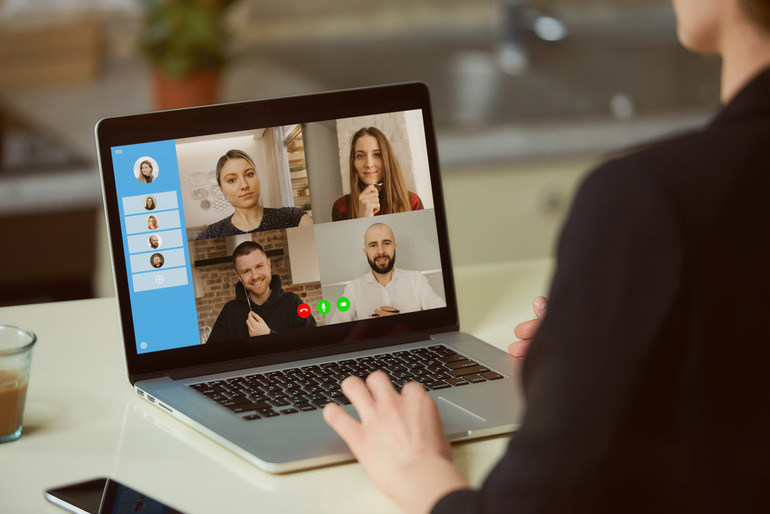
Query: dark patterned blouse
(272, 219)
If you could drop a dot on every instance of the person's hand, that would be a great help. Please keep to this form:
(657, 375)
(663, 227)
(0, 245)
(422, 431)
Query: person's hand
(399, 442)
(385, 310)
(369, 201)
(526, 331)
(257, 326)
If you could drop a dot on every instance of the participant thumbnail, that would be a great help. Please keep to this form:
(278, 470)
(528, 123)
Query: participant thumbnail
(146, 170)
(383, 266)
(251, 181)
(370, 165)
(228, 288)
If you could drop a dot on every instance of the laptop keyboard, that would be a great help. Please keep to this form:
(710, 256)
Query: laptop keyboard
(306, 388)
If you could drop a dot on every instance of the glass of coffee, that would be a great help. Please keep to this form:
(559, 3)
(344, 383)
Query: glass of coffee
(15, 358)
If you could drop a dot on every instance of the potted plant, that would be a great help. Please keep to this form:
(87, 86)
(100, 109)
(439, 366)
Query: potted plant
(185, 41)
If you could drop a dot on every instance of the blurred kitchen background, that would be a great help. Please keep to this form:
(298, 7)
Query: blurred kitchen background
(527, 96)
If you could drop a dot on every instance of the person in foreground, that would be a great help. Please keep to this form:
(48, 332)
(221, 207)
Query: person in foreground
(646, 382)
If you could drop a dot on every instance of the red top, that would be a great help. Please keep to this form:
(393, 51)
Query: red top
(341, 208)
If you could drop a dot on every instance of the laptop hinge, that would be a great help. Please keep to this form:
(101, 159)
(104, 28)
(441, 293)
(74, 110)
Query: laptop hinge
(287, 357)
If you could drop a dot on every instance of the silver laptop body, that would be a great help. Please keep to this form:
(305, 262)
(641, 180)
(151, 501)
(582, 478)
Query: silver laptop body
(169, 307)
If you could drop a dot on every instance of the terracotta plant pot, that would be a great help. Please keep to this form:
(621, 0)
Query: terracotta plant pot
(198, 88)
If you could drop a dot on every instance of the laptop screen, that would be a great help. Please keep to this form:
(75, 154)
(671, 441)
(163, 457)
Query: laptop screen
(249, 229)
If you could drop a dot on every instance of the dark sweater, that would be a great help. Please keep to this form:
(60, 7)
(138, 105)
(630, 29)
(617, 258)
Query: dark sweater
(647, 384)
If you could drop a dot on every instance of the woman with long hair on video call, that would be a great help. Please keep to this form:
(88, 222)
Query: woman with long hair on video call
(237, 178)
(377, 185)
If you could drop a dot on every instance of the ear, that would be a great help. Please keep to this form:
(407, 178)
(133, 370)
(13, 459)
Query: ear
(238, 276)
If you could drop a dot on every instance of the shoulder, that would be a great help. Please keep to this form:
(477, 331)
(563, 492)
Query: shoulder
(690, 171)
(282, 217)
(232, 307)
(625, 209)
(414, 276)
(359, 282)
(221, 228)
(654, 162)
(618, 192)
(234, 304)
(366, 277)
(361, 278)
(290, 298)
(414, 202)
(340, 208)
(689, 156)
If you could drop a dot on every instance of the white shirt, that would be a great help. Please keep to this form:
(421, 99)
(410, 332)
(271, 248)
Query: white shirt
(407, 291)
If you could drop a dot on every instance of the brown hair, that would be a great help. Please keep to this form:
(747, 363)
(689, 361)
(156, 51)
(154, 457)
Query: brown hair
(394, 196)
(758, 11)
(247, 248)
(233, 154)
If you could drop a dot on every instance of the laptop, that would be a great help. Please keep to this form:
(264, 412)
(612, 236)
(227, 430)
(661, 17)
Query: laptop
(185, 304)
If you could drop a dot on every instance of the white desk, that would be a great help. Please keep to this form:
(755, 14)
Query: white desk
(83, 420)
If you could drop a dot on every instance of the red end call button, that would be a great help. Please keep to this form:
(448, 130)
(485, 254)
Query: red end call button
(303, 310)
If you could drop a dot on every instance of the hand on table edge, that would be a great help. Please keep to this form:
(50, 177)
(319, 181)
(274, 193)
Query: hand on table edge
(400, 441)
(526, 330)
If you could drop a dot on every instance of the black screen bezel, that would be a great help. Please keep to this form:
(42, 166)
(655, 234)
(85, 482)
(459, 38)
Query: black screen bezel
(224, 118)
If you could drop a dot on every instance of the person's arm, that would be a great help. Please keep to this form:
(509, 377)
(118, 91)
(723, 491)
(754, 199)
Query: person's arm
(219, 332)
(305, 221)
(340, 208)
(415, 203)
(428, 298)
(399, 442)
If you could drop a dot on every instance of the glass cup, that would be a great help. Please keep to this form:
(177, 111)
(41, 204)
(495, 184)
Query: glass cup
(15, 358)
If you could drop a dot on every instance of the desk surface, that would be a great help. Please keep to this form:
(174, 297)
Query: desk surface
(83, 420)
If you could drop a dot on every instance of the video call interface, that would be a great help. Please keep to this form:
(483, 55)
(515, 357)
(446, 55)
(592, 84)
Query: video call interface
(330, 222)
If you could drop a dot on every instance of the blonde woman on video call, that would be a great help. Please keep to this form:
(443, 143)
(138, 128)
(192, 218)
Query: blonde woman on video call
(377, 184)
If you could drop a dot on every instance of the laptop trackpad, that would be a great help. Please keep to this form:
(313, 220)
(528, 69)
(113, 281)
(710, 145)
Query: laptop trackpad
(457, 419)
